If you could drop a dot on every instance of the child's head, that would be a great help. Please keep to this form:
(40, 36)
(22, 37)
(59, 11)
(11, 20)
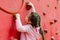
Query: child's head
(33, 19)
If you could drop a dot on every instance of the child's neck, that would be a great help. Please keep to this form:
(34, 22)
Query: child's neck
(29, 23)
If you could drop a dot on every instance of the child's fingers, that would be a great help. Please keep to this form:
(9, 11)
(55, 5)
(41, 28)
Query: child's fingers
(17, 15)
(30, 3)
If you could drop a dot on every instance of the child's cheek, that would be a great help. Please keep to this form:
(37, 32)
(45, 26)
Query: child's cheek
(26, 19)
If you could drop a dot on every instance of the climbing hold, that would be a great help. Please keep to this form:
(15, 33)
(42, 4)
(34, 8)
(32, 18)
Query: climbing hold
(14, 17)
(48, 5)
(52, 38)
(55, 21)
(38, 0)
(56, 33)
(55, 7)
(28, 7)
(58, 0)
(44, 13)
(45, 31)
(51, 23)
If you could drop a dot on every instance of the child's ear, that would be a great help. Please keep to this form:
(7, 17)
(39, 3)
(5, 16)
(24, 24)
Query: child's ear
(29, 22)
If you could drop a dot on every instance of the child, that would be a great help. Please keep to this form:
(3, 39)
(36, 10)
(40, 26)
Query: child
(30, 31)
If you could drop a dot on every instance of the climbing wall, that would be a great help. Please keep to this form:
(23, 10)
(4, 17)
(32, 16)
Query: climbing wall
(47, 9)
(7, 24)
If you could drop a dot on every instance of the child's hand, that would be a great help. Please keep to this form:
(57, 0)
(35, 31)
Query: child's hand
(30, 3)
(16, 16)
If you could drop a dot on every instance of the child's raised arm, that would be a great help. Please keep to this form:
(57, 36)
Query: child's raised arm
(19, 26)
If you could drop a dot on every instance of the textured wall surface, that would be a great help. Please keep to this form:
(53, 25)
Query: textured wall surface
(49, 11)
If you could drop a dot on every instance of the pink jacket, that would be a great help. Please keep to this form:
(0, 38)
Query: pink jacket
(27, 31)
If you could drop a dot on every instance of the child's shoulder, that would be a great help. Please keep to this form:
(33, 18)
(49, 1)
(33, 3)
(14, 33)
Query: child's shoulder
(38, 28)
(27, 25)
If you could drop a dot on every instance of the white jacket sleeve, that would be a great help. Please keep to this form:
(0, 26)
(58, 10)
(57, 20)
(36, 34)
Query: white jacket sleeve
(19, 26)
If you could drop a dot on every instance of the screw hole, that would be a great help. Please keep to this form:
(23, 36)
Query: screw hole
(55, 21)
(45, 31)
(44, 13)
(51, 23)
(55, 7)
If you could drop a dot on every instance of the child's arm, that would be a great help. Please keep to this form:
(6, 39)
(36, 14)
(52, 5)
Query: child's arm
(19, 26)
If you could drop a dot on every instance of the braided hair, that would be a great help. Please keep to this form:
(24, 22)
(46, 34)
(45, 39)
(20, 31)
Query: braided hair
(35, 22)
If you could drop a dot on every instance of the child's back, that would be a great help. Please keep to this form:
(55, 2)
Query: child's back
(31, 34)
